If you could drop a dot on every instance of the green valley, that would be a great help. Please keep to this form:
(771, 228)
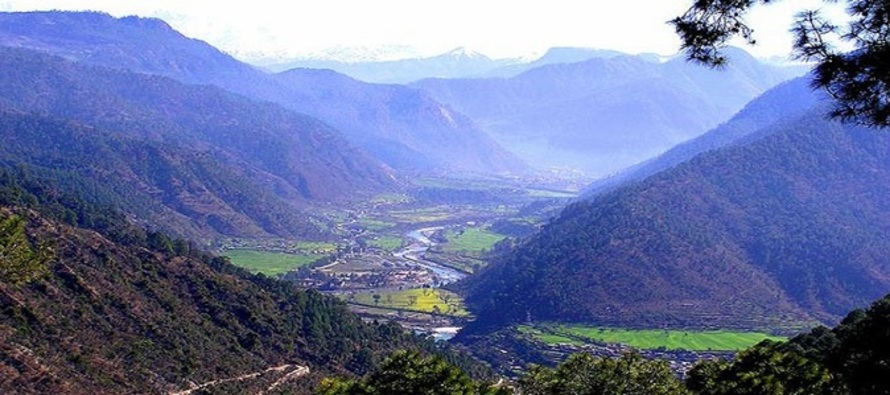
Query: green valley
(177, 221)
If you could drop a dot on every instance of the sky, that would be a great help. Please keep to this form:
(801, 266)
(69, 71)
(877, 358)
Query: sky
(498, 28)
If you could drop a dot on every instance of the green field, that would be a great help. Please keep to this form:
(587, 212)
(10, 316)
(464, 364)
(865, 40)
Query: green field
(375, 224)
(420, 215)
(482, 185)
(547, 337)
(471, 240)
(457, 261)
(320, 247)
(655, 338)
(391, 198)
(545, 193)
(268, 263)
(389, 243)
(418, 299)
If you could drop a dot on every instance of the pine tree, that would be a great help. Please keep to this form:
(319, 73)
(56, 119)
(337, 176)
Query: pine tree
(20, 261)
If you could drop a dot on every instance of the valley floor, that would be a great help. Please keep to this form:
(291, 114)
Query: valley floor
(398, 254)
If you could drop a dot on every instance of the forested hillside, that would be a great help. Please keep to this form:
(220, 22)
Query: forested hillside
(122, 310)
(194, 159)
(782, 231)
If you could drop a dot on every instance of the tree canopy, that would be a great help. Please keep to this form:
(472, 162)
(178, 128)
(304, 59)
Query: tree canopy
(410, 373)
(20, 261)
(858, 79)
(585, 374)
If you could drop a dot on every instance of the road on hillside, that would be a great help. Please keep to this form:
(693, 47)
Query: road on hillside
(297, 371)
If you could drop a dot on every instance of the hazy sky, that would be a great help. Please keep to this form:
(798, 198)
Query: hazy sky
(498, 28)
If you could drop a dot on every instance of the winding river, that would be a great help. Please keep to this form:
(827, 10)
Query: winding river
(416, 250)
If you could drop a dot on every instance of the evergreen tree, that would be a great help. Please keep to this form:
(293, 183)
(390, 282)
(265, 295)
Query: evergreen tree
(20, 261)
(410, 373)
(765, 369)
(584, 374)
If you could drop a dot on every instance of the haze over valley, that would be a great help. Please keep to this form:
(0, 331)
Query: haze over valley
(176, 220)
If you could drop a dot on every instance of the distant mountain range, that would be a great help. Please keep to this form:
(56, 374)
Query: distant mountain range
(609, 112)
(457, 63)
(783, 227)
(403, 127)
(406, 129)
(560, 55)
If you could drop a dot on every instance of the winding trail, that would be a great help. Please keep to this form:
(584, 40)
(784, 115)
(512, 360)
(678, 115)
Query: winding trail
(297, 371)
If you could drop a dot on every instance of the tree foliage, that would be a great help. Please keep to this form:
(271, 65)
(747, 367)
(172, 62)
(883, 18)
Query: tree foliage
(853, 358)
(410, 373)
(20, 260)
(584, 374)
(858, 80)
(765, 369)
(706, 232)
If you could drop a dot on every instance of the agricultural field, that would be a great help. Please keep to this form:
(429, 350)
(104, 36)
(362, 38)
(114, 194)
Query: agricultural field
(391, 198)
(375, 224)
(548, 337)
(386, 242)
(269, 263)
(466, 264)
(426, 300)
(421, 215)
(445, 183)
(471, 240)
(316, 247)
(549, 194)
(655, 338)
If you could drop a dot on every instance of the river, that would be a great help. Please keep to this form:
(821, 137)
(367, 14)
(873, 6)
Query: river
(415, 252)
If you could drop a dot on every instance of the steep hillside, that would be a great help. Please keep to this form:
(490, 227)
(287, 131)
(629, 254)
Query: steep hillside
(136, 312)
(788, 228)
(199, 194)
(213, 154)
(114, 319)
(607, 113)
(378, 122)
